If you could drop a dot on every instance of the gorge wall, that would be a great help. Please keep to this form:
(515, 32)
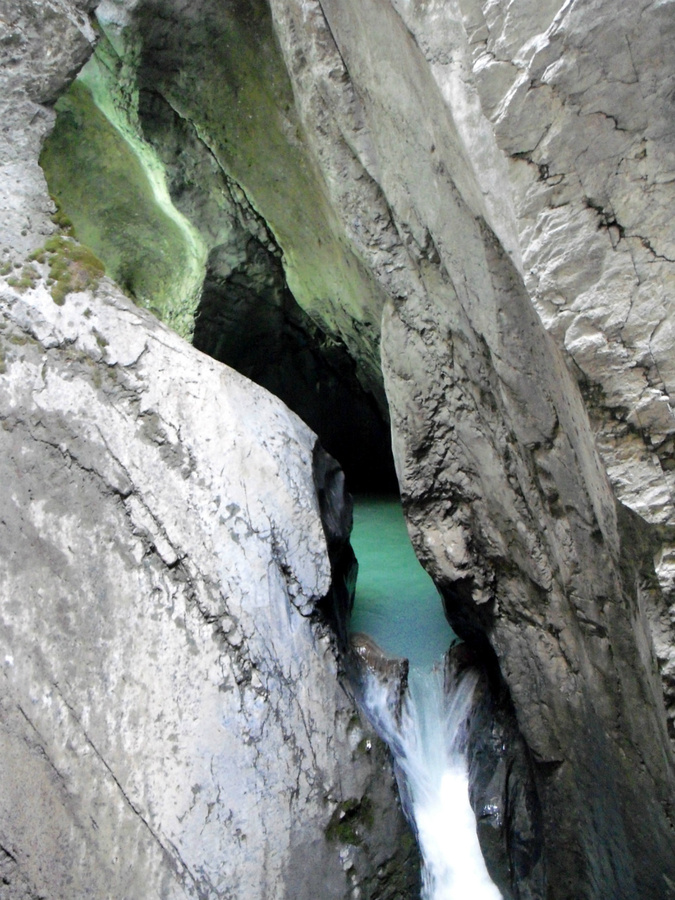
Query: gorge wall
(373, 209)
(172, 723)
(172, 720)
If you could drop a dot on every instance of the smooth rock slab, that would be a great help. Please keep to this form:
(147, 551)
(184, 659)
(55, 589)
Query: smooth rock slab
(171, 722)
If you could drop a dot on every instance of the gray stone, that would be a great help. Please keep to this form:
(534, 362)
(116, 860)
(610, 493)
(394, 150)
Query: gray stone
(581, 101)
(369, 661)
(172, 719)
(184, 238)
(502, 789)
(507, 501)
(453, 176)
(32, 76)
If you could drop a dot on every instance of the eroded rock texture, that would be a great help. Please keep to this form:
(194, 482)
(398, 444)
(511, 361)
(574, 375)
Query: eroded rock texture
(581, 102)
(172, 719)
(32, 78)
(509, 506)
(429, 182)
(508, 503)
(172, 723)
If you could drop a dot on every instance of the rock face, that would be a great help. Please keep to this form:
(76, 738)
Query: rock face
(503, 792)
(172, 723)
(32, 78)
(171, 714)
(433, 182)
(369, 661)
(507, 501)
(580, 101)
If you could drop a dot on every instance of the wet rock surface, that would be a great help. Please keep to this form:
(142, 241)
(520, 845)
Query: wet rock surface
(369, 661)
(502, 786)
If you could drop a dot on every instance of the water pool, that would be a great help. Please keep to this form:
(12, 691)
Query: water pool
(396, 601)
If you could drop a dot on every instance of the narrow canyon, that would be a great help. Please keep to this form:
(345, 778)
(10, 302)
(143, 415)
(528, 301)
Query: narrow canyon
(269, 268)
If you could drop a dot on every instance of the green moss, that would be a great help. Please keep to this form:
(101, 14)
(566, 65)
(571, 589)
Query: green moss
(53, 244)
(62, 220)
(107, 195)
(6, 268)
(27, 279)
(72, 266)
(243, 104)
(349, 821)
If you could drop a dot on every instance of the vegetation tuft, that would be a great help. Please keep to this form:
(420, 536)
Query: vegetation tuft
(28, 278)
(64, 222)
(72, 267)
(349, 820)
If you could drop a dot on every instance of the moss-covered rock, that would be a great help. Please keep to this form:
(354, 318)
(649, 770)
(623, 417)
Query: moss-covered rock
(243, 107)
(106, 185)
(188, 183)
(349, 821)
(26, 279)
(72, 266)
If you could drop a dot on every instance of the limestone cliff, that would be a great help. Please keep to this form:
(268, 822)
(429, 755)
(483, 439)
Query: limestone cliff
(172, 721)
(507, 500)
(580, 100)
(411, 193)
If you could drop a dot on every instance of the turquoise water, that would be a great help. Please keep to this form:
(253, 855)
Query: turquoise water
(398, 606)
(396, 601)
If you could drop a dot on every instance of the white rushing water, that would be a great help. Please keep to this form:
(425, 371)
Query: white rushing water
(427, 745)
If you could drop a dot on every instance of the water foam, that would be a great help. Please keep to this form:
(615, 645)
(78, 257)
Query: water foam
(428, 745)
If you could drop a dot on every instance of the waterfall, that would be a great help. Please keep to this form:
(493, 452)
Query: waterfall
(398, 606)
(428, 746)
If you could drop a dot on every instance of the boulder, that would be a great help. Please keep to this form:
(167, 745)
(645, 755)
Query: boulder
(172, 719)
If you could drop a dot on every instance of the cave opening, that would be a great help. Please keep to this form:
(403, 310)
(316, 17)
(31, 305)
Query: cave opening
(180, 237)
(249, 320)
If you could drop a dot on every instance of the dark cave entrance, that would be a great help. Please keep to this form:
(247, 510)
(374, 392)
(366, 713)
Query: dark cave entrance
(205, 254)
(250, 321)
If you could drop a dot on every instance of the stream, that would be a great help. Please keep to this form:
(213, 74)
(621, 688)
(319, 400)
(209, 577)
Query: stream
(398, 606)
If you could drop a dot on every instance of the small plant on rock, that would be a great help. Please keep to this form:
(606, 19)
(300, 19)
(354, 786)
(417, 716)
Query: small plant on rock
(72, 267)
(27, 279)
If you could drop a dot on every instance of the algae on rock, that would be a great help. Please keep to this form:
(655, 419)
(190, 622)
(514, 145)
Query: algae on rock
(106, 179)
